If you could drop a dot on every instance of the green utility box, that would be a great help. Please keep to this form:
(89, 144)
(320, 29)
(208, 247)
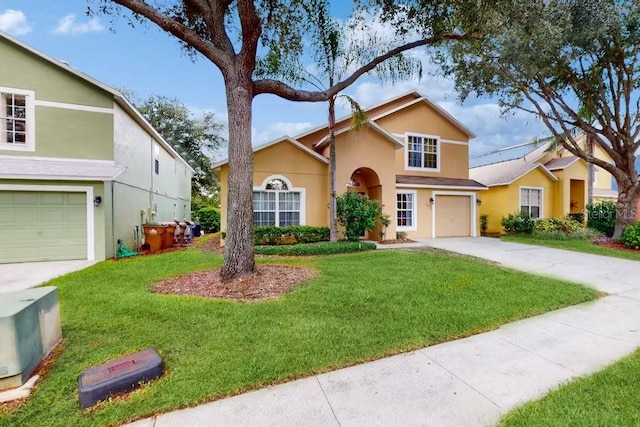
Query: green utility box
(29, 329)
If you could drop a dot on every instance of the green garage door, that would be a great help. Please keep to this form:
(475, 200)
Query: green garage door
(42, 226)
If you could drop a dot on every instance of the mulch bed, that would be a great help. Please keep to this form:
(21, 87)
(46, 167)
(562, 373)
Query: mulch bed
(211, 245)
(395, 241)
(269, 281)
(608, 242)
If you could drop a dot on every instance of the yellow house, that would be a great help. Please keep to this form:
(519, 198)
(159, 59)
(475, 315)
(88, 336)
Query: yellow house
(542, 182)
(412, 157)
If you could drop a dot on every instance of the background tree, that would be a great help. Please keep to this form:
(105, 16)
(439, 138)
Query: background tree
(572, 63)
(196, 139)
(338, 47)
(230, 33)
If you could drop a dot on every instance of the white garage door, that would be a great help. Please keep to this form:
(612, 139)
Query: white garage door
(42, 226)
(453, 216)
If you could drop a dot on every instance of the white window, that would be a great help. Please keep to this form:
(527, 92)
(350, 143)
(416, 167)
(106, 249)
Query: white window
(17, 119)
(405, 210)
(531, 201)
(277, 203)
(422, 152)
(156, 159)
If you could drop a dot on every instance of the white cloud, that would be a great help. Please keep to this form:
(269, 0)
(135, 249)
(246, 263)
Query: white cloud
(278, 129)
(14, 22)
(67, 25)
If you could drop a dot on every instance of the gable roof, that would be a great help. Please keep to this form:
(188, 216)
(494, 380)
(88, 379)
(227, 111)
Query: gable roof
(118, 97)
(418, 97)
(561, 163)
(505, 173)
(376, 127)
(287, 139)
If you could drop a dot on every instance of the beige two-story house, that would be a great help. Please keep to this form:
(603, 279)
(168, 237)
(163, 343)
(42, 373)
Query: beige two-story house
(413, 157)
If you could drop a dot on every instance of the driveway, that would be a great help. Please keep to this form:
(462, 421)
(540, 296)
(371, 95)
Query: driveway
(15, 277)
(607, 274)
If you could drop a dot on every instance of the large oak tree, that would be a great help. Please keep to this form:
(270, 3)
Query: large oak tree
(572, 63)
(230, 34)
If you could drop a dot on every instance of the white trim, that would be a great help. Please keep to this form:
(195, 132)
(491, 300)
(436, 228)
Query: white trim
(77, 107)
(395, 110)
(414, 210)
(278, 141)
(343, 118)
(454, 142)
(56, 159)
(30, 97)
(444, 187)
(473, 213)
(62, 177)
(406, 152)
(375, 127)
(527, 187)
(290, 189)
(91, 250)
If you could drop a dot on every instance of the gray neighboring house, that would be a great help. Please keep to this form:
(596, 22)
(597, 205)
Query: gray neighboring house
(79, 165)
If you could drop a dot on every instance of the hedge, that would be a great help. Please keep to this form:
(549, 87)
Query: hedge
(320, 248)
(292, 235)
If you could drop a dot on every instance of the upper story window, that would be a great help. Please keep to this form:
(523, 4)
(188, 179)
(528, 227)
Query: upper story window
(17, 119)
(156, 159)
(278, 203)
(422, 152)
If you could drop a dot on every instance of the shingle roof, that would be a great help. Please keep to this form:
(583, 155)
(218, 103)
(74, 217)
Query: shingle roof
(437, 181)
(504, 173)
(560, 163)
(63, 169)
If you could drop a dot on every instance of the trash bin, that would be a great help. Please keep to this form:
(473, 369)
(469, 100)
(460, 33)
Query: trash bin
(153, 234)
(167, 238)
(196, 230)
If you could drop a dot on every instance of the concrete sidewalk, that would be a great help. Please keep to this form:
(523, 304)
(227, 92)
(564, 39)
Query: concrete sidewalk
(19, 276)
(468, 382)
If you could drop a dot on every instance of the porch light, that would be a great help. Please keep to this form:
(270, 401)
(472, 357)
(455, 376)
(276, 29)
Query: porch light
(96, 201)
(431, 200)
(478, 202)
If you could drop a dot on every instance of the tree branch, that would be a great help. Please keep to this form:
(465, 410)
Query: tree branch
(218, 56)
(287, 92)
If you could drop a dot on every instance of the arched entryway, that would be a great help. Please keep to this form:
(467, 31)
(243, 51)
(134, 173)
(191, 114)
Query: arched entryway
(366, 181)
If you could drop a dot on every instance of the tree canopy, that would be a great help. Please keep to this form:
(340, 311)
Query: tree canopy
(573, 64)
(233, 34)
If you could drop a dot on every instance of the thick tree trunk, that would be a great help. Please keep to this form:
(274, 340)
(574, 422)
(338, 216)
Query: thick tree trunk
(333, 220)
(626, 208)
(239, 257)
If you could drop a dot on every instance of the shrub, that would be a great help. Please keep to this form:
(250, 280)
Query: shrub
(484, 223)
(582, 234)
(401, 235)
(272, 235)
(631, 236)
(320, 248)
(209, 218)
(357, 214)
(577, 216)
(602, 217)
(519, 222)
(565, 225)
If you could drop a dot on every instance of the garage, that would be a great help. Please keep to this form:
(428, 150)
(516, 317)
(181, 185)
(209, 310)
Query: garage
(43, 226)
(452, 216)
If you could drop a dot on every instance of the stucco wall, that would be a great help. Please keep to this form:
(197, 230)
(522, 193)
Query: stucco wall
(59, 132)
(139, 187)
(303, 170)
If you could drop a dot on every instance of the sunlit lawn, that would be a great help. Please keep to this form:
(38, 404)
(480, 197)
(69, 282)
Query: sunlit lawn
(608, 398)
(577, 245)
(360, 307)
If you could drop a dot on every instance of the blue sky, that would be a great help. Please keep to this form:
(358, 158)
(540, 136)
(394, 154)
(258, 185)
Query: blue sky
(148, 61)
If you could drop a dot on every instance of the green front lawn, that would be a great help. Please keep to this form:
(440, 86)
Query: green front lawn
(576, 245)
(608, 398)
(360, 307)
